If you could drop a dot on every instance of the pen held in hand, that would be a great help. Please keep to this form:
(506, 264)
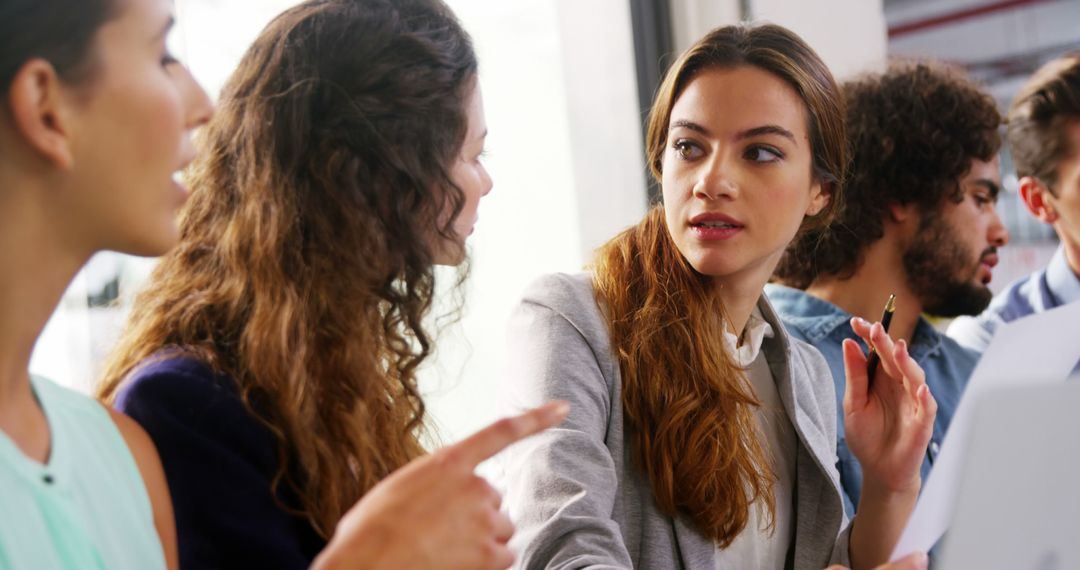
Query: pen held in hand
(886, 319)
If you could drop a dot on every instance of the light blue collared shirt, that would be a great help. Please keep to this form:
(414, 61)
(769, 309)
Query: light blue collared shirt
(825, 326)
(1046, 289)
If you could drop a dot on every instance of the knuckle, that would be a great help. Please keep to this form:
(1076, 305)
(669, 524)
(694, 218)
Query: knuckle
(494, 498)
(490, 521)
(478, 488)
(488, 551)
(505, 559)
(495, 555)
(509, 428)
(446, 456)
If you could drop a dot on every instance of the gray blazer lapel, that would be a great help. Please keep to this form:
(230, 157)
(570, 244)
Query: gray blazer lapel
(778, 354)
(813, 487)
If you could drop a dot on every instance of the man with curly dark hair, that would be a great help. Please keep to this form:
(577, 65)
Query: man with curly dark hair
(918, 221)
(1044, 136)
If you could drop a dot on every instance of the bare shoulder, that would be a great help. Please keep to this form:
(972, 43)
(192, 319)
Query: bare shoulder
(138, 441)
(146, 456)
(153, 475)
(145, 453)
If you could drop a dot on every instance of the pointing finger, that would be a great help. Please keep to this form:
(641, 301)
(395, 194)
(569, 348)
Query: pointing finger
(498, 436)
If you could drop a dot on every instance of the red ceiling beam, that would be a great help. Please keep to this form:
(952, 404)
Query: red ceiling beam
(958, 16)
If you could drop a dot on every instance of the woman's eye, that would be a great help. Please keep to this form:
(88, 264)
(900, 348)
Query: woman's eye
(763, 154)
(982, 199)
(686, 150)
(167, 59)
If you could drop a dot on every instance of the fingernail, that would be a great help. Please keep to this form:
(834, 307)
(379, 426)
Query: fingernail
(922, 560)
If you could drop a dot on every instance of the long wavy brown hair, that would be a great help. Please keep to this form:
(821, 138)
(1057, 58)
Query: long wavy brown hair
(690, 404)
(305, 264)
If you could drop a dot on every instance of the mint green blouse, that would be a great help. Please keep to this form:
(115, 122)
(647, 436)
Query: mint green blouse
(87, 507)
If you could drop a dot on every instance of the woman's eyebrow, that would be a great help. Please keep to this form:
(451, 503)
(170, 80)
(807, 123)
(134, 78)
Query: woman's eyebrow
(767, 130)
(748, 133)
(684, 124)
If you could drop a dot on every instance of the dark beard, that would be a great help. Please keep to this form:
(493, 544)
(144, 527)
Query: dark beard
(938, 273)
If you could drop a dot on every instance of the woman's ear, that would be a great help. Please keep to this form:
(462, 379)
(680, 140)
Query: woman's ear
(820, 195)
(1038, 199)
(40, 112)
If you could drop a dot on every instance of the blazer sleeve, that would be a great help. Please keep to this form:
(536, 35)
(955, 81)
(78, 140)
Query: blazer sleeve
(560, 486)
(219, 462)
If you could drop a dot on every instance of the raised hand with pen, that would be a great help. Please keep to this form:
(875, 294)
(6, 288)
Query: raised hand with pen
(888, 422)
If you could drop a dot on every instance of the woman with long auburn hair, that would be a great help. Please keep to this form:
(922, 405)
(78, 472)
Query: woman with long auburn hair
(272, 356)
(701, 435)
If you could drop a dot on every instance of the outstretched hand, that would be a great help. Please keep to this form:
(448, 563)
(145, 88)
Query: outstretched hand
(888, 422)
(436, 512)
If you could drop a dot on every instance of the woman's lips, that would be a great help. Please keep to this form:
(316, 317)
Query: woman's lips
(715, 233)
(715, 226)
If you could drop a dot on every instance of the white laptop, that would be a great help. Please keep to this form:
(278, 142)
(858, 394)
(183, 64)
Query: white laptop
(1018, 504)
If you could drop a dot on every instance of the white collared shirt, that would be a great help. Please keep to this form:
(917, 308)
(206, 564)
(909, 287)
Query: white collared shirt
(756, 331)
(755, 547)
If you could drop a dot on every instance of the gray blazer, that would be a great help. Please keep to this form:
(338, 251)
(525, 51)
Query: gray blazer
(573, 493)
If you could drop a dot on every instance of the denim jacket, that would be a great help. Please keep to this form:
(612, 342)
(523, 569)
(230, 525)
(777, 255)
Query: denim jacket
(825, 326)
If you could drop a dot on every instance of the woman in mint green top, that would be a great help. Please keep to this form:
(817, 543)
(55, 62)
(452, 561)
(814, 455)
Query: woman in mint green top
(94, 122)
(69, 511)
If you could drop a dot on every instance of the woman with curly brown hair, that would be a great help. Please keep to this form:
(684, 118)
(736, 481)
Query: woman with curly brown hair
(273, 354)
(701, 435)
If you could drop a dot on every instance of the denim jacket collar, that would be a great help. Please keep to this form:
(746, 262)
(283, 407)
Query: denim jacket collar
(818, 319)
